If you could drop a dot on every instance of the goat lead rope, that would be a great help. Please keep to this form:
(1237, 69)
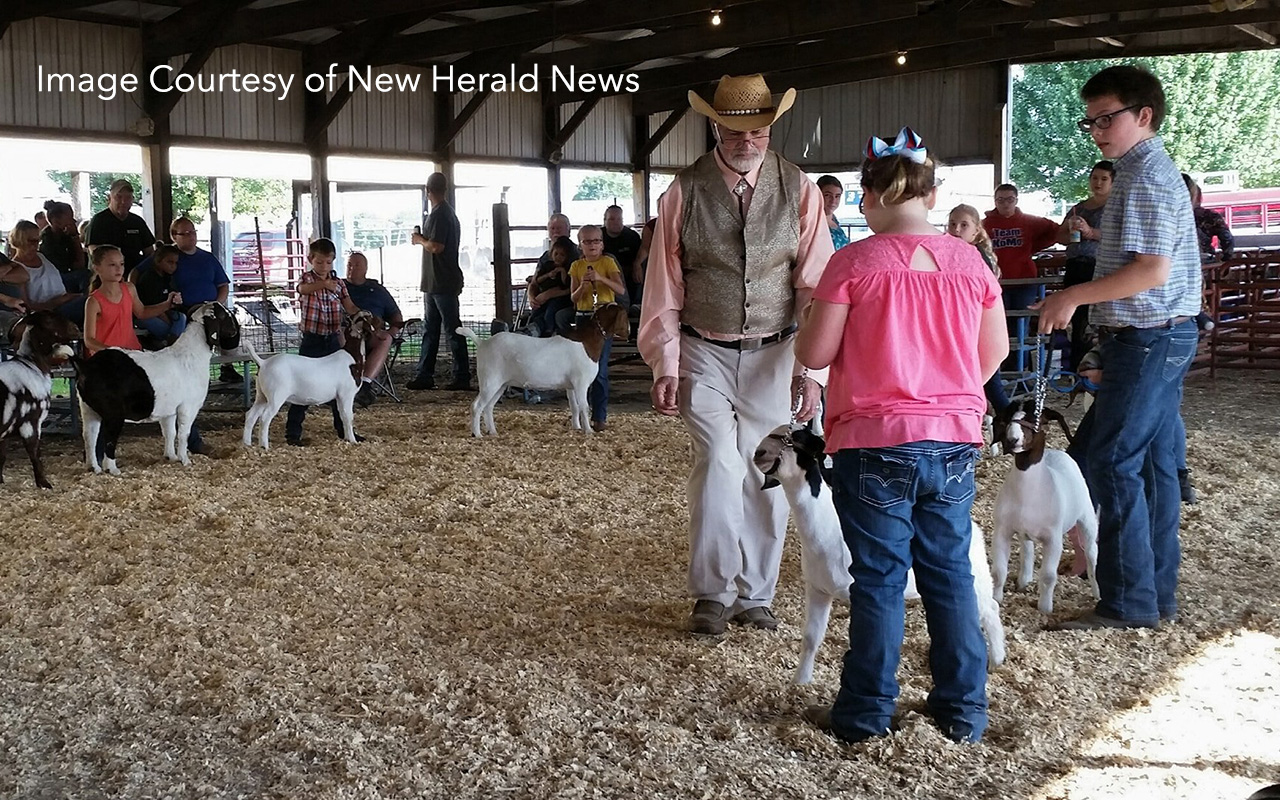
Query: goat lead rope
(799, 401)
(1042, 388)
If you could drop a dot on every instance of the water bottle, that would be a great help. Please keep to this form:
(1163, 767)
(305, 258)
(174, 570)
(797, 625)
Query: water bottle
(1075, 232)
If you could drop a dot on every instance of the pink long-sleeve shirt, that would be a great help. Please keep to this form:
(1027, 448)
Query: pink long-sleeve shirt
(659, 337)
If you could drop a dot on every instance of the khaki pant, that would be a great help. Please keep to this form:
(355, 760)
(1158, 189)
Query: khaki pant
(730, 400)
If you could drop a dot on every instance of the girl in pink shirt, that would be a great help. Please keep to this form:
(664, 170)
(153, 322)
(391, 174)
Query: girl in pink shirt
(911, 324)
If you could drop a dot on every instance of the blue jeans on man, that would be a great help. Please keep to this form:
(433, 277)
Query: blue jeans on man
(443, 312)
(1127, 447)
(902, 507)
(313, 345)
(170, 323)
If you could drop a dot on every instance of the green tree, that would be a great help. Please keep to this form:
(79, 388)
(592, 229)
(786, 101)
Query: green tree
(604, 186)
(1217, 119)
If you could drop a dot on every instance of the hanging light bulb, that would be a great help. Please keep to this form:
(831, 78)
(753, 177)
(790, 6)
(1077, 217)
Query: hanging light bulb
(715, 16)
(902, 57)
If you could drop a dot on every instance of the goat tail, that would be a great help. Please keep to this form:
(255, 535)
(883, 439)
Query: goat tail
(467, 332)
(257, 359)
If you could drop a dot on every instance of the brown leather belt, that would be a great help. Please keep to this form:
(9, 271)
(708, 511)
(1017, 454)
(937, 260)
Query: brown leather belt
(1114, 329)
(741, 344)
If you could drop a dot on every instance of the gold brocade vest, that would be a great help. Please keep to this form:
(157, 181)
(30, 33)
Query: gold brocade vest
(737, 277)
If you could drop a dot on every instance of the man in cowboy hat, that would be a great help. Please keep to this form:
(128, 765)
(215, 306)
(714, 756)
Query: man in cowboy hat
(740, 244)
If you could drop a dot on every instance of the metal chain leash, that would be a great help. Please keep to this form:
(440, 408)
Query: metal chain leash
(1042, 388)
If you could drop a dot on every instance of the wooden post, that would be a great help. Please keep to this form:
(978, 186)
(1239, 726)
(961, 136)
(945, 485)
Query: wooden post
(502, 263)
(157, 181)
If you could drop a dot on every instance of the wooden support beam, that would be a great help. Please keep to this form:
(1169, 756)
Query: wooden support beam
(209, 18)
(157, 178)
(455, 125)
(1258, 33)
(571, 125)
(314, 104)
(643, 151)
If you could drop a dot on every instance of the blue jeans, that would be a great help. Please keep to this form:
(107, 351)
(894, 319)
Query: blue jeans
(170, 323)
(1127, 445)
(553, 316)
(902, 507)
(442, 311)
(996, 395)
(313, 345)
(598, 394)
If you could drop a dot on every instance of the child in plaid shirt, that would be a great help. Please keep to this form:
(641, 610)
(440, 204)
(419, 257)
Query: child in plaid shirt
(322, 297)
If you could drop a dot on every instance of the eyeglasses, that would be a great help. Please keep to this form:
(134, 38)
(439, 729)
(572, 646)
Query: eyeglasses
(184, 233)
(1102, 121)
(592, 241)
(727, 135)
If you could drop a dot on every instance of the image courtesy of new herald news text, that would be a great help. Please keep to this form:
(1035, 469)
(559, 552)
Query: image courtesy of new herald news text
(165, 78)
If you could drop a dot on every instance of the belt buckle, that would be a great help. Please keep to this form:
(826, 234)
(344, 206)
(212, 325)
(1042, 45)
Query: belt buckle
(751, 344)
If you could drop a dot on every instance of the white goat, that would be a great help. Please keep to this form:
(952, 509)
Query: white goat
(169, 386)
(513, 359)
(791, 459)
(1043, 497)
(302, 380)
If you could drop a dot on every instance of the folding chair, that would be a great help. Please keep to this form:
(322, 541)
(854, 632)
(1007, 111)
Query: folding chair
(384, 384)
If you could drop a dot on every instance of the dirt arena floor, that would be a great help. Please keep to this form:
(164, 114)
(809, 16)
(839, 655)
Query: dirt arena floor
(427, 615)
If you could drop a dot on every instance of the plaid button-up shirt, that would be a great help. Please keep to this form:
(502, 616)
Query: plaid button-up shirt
(1149, 212)
(321, 311)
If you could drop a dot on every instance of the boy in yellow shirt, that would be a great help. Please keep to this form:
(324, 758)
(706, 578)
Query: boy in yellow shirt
(595, 280)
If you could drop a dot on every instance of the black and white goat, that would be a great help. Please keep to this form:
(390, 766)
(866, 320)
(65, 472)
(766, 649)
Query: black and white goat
(302, 380)
(1043, 497)
(793, 460)
(168, 386)
(514, 359)
(44, 341)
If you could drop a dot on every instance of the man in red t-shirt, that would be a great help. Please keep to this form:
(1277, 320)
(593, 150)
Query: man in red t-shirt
(1015, 237)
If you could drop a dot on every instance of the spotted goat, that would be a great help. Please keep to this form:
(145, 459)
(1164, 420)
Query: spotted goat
(26, 382)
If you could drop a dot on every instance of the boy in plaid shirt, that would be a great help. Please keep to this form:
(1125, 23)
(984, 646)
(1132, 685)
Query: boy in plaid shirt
(322, 297)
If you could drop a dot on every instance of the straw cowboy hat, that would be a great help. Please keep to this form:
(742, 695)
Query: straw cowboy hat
(743, 103)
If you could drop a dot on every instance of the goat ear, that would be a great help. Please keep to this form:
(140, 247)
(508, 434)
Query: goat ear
(1057, 417)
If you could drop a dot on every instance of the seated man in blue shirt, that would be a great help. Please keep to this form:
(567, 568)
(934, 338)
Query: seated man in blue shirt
(373, 297)
(199, 278)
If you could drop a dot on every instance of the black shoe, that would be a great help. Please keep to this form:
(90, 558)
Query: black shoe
(421, 382)
(1187, 488)
(1093, 621)
(199, 449)
(294, 442)
(459, 386)
(364, 397)
(228, 374)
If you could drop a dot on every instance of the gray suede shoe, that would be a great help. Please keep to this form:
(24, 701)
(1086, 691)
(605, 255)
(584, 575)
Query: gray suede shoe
(709, 618)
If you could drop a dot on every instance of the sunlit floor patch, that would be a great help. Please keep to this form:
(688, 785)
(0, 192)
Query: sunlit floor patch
(1214, 731)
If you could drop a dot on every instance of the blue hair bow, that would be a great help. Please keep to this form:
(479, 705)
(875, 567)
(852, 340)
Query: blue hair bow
(908, 145)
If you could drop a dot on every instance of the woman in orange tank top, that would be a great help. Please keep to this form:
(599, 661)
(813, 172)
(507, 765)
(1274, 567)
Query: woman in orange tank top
(112, 304)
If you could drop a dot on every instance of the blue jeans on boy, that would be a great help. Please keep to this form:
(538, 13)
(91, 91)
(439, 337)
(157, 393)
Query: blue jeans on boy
(443, 311)
(1127, 445)
(902, 507)
(313, 345)
(170, 323)
(598, 393)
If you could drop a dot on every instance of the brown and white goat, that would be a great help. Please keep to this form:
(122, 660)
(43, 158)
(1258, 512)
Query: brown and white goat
(792, 459)
(569, 363)
(44, 341)
(1043, 497)
(301, 380)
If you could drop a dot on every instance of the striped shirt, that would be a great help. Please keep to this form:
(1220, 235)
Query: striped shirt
(321, 311)
(1149, 213)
